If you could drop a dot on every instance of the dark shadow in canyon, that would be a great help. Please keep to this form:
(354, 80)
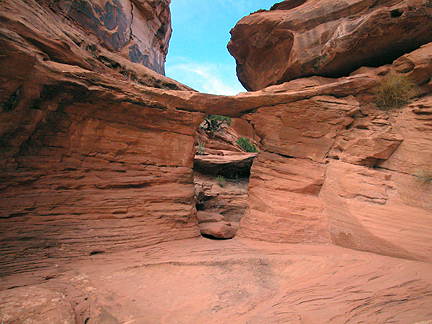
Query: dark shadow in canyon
(221, 177)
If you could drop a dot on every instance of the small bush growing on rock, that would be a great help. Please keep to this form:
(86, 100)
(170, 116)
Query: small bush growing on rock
(221, 181)
(394, 91)
(212, 123)
(424, 175)
(246, 145)
(201, 148)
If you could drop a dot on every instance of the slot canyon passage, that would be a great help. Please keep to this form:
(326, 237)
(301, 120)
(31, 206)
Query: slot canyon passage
(100, 180)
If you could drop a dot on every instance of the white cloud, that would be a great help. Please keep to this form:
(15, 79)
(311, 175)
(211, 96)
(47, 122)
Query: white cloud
(210, 78)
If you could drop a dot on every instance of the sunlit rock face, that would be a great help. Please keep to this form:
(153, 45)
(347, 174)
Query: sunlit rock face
(326, 38)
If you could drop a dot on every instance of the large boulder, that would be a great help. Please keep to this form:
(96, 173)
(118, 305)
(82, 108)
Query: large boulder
(303, 38)
(219, 230)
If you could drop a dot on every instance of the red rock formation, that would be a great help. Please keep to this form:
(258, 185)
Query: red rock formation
(234, 281)
(89, 162)
(137, 29)
(243, 128)
(97, 154)
(219, 230)
(314, 182)
(230, 199)
(304, 38)
(229, 164)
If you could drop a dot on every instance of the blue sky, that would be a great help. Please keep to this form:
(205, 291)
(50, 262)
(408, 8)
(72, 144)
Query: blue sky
(197, 54)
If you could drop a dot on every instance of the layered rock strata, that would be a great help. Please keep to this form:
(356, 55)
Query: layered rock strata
(89, 162)
(327, 38)
(335, 169)
(225, 163)
(227, 196)
(97, 152)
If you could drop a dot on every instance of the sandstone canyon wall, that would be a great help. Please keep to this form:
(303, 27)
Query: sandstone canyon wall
(90, 163)
(333, 168)
(97, 151)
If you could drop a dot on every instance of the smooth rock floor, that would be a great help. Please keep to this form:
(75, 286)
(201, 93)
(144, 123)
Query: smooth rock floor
(236, 281)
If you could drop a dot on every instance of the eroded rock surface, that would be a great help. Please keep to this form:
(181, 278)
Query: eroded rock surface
(244, 281)
(327, 38)
(35, 305)
(89, 162)
(219, 230)
(97, 193)
(227, 197)
(214, 225)
(225, 163)
(137, 29)
(97, 153)
(335, 169)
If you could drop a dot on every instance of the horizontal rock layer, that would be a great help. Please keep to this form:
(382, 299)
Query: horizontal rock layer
(226, 164)
(334, 169)
(94, 175)
(89, 162)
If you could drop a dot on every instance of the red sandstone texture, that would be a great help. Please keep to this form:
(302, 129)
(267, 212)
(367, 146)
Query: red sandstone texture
(335, 169)
(85, 145)
(97, 201)
(231, 281)
(328, 38)
(137, 29)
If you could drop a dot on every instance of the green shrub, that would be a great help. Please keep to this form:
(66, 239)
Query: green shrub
(201, 148)
(246, 145)
(221, 181)
(212, 123)
(424, 175)
(394, 91)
